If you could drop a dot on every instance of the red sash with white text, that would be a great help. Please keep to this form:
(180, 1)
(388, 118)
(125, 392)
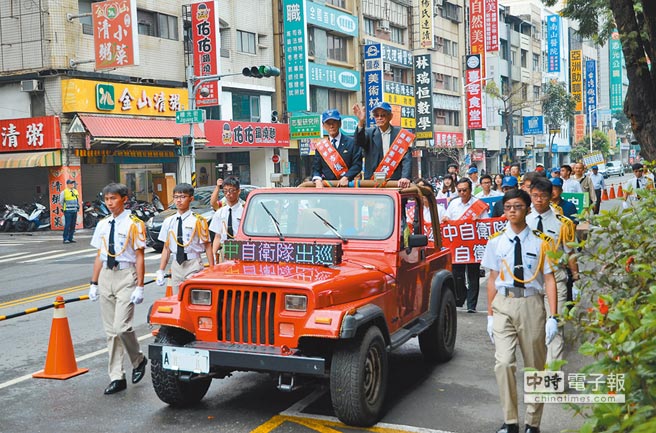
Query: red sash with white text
(397, 149)
(332, 157)
(473, 211)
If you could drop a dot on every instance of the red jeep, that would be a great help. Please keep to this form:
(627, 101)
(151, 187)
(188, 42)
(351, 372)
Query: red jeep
(317, 282)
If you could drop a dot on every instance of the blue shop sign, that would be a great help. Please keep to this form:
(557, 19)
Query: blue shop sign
(332, 19)
(334, 77)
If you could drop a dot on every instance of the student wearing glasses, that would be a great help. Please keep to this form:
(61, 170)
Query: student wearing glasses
(376, 142)
(632, 186)
(225, 221)
(186, 237)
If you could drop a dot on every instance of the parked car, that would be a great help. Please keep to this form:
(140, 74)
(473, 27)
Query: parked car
(200, 205)
(614, 168)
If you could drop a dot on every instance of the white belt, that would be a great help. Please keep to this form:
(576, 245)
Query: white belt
(120, 265)
(517, 292)
(190, 255)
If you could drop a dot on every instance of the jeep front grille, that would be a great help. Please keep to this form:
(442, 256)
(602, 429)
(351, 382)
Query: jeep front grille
(246, 316)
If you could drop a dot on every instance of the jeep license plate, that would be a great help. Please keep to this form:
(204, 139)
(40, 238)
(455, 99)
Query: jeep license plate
(185, 359)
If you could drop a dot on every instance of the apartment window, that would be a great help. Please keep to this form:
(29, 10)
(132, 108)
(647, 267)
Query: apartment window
(446, 46)
(525, 93)
(396, 34)
(339, 100)
(503, 49)
(245, 42)
(452, 12)
(447, 83)
(146, 22)
(245, 107)
(338, 3)
(398, 75)
(456, 84)
(524, 58)
(151, 23)
(513, 57)
(337, 48)
(454, 49)
(370, 27)
(536, 62)
(536, 93)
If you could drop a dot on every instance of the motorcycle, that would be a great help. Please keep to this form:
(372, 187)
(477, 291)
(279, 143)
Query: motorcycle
(157, 203)
(90, 215)
(39, 218)
(5, 222)
(18, 219)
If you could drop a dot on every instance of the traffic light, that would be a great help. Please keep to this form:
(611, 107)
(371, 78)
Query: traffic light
(183, 145)
(263, 71)
(274, 116)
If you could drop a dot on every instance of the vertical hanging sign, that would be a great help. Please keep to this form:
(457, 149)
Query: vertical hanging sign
(424, 97)
(474, 92)
(426, 32)
(115, 35)
(591, 90)
(491, 25)
(373, 78)
(576, 78)
(476, 27)
(615, 66)
(553, 43)
(205, 37)
(296, 61)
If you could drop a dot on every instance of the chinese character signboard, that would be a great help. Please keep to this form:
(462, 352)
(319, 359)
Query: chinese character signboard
(448, 139)
(332, 19)
(533, 125)
(615, 65)
(115, 36)
(57, 178)
(32, 133)
(553, 43)
(579, 127)
(491, 25)
(424, 97)
(576, 78)
(395, 55)
(246, 134)
(474, 92)
(426, 32)
(591, 90)
(334, 77)
(476, 27)
(308, 126)
(205, 37)
(296, 61)
(87, 96)
(373, 78)
(401, 97)
(467, 238)
(284, 252)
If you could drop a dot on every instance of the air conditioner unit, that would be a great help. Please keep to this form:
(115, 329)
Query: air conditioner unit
(384, 26)
(30, 86)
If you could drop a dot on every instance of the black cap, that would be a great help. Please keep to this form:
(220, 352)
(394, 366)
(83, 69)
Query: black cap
(70, 181)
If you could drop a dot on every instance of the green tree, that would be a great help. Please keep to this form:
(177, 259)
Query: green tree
(599, 142)
(636, 23)
(558, 109)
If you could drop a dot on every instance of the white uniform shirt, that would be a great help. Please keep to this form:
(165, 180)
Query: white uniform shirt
(457, 208)
(597, 181)
(123, 233)
(219, 223)
(492, 193)
(550, 223)
(501, 248)
(571, 185)
(169, 231)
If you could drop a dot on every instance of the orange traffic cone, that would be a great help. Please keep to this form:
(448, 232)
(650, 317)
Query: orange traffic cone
(611, 193)
(620, 191)
(60, 360)
(604, 195)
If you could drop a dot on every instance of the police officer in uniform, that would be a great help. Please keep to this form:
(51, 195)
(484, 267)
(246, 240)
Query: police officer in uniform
(186, 236)
(519, 278)
(562, 231)
(70, 201)
(118, 280)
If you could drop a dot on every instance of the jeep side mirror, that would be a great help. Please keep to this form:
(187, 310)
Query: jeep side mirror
(417, 241)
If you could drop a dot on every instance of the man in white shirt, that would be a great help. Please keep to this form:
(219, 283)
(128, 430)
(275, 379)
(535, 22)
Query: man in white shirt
(585, 182)
(486, 188)
(225, 221)
(632, 186)
(569, 184)
(599, 185)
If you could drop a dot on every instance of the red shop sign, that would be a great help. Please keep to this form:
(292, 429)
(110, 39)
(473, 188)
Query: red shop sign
(32, 133)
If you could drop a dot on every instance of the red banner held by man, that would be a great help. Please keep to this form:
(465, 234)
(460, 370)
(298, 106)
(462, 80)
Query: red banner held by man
(467, 238)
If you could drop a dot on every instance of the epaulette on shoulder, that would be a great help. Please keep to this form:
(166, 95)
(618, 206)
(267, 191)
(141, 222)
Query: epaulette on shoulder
(564, 219)
(542, 236)
(495, 234)
(135, 219)
(198, 216)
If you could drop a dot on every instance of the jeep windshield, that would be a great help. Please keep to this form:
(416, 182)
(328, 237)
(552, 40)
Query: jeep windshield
(354, 216)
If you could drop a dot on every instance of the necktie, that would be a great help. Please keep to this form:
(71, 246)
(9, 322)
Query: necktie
(334, 143)
(111, 252)
(518, 270)
(180, 255)
(540, 226)
(637, 183)
(229, 228)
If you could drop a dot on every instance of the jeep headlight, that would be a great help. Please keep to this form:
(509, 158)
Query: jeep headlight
(296, 302)
(201, 297)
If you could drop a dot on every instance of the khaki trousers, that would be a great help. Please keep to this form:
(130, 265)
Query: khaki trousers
(556, 348)
(180, 272)
(518, 320)
(115, 288)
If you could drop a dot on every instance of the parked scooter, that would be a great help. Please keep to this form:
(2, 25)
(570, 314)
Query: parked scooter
(18, 218)
(5, 222)
(39, 218)
(90, 215)
(159, 206)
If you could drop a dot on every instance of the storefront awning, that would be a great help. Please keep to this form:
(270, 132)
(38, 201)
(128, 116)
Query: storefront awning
(30, 159)
(128, 129)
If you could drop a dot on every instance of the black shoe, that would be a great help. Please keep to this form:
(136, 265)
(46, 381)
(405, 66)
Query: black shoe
(72, 241)
(509, 428)
(116, 386)
(139, 371)
(471, 310)
(531, 429)
(67, 242)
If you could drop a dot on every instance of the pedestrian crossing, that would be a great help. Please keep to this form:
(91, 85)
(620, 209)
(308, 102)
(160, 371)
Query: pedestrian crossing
(60, 255)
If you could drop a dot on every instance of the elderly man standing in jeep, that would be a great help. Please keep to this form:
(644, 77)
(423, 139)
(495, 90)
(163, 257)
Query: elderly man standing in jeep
(376, 142)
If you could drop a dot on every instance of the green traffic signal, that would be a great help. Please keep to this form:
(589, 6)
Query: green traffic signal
(264, 71)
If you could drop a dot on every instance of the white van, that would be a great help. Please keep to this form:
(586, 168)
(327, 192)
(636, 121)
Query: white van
(614, 168)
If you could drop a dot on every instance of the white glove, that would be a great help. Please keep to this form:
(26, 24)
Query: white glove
(490, 328)
(576, 290)
(137, 295)
(159, 275)
(550, 329)
(93, 292)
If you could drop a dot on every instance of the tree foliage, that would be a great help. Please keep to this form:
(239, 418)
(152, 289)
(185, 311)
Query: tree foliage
(599, 142)
(558, 107)
(636, 24)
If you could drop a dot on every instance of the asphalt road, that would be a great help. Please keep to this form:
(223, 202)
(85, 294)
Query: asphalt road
(459, 396)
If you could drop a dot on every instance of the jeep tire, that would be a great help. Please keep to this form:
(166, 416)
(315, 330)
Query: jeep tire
(437, 343)
(358, 378)
(168, 386)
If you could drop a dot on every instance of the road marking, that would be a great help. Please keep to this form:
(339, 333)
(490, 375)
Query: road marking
(54, 256)
(33, 255)
(43, 296)
(78, 359)
(23, 253)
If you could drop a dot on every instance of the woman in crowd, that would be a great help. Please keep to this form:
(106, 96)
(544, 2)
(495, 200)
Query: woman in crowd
(448, 190)
(498, 180)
